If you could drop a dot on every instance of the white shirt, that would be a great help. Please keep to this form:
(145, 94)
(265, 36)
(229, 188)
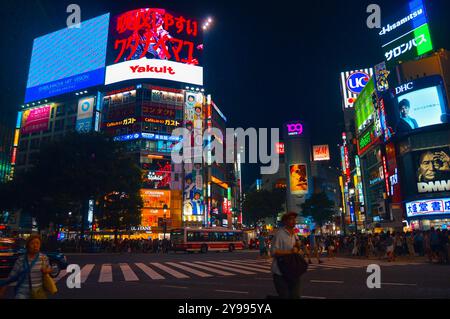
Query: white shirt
(283, 240)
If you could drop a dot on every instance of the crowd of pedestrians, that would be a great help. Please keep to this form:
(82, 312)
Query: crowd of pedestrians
(108, 245)
(433, 244)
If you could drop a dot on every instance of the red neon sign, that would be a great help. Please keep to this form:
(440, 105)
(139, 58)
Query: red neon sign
(156, 34)
(386, 175)
(279, 148)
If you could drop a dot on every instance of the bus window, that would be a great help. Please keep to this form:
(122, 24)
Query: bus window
(176, 236)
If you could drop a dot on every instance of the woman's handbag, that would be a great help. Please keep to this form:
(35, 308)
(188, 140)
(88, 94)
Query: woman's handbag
(292, 266)
(49, 284)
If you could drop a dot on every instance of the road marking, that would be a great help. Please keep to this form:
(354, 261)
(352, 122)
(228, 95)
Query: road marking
(251, 268)
(251, 265)
(232, 291)
(106, 273)
(178, 287)
(174, 273)
(193, 271)
(240, 271)
(60, 276)
(128, 273)
(328, 281)
(85, 271)
(213, 270)
(396, 284)
(312, 297)
(149, 272)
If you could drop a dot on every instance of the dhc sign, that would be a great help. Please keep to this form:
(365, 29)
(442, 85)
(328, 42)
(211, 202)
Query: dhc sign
(357, 81)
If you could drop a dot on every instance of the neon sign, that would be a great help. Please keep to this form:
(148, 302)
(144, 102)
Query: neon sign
(294, 129)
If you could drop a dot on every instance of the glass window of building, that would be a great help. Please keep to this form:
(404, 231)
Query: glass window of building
(60, 110)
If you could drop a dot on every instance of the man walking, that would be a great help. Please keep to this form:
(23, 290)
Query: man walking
(285, 242)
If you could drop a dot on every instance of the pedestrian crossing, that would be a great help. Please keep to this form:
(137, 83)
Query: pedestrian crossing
(185, 270)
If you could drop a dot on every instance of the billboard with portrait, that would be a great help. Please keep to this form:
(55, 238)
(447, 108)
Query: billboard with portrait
(432, 170)
(68, 60)
(154, 43)
(298, 178)
(418, 104)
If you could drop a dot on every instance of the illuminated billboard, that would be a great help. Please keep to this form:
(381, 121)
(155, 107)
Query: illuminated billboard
(427, 207)
(298, 178)
(433, 170)
(419, 104)
(364, 106)
(352, 83)
(157, 174)
(408, 17)
(68, 60)
(409, 46)
(156, 199)
(35, 120)
(153, 43)
(84, 114)
(294, 129)
(321, 153)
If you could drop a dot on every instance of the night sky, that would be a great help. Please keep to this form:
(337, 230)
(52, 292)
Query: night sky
(265, 62)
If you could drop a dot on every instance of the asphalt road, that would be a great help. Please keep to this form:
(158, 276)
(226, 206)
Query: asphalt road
(242, 275)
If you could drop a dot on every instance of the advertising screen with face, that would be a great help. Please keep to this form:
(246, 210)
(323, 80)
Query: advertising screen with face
(298, 179)
(420, 103)
(433, 170)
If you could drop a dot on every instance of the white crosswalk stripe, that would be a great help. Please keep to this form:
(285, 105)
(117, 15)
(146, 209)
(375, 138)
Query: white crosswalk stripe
(149, 272)
(174, 273)
(193, 271)
(85, 271)
(209, 269)
(260, 266)
(109, 273)
(61, 275)
(105, 273)
(240, 266)
(128, 273)
(226, 267)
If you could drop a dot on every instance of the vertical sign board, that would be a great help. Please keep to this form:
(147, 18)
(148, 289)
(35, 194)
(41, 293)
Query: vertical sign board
(84, 114)
(408, 36)
(193, 204)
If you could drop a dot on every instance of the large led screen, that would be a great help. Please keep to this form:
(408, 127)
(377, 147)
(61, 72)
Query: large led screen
(68, 60)
(364, 106)
(419, 104)
(154, 43)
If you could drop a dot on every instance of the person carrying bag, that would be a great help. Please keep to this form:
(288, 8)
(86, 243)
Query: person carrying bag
(288, 264)
(33, 279)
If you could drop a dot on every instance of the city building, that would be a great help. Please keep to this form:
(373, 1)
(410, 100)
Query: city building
(137, 95)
